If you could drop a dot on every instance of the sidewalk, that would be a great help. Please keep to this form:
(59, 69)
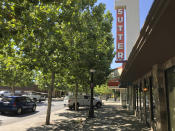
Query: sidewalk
(111, 117)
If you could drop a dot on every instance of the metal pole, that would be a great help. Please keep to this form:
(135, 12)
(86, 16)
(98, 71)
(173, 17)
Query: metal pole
(91, 110)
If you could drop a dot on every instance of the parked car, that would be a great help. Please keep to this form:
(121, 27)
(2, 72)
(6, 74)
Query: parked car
(16, 104)
(5, 93)
(18, 93)
(82, 100)
(35, 96)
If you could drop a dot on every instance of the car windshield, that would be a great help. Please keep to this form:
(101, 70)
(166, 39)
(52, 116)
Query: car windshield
(6, 99)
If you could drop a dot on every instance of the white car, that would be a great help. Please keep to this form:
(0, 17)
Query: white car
(5, 93)
(35, 96)
(82, 100)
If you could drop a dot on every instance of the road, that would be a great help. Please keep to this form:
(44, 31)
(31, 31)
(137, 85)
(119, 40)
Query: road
(6, 119)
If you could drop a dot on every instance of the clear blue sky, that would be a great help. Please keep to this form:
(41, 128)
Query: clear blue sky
(145, 5)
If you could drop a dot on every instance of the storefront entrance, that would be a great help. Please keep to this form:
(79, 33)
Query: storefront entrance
(170, 86)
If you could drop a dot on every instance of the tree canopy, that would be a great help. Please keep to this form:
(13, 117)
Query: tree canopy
(54, 43)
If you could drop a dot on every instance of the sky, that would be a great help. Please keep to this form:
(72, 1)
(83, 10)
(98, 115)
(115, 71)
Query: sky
(145, 6)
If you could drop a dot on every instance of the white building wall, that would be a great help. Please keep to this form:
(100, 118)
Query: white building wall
(132, 22)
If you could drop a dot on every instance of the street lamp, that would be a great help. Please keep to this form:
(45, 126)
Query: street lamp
(91, 110)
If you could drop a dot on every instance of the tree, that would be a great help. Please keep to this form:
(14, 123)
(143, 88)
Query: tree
(53, 37)
(44, 48)
(91, 45)
(43, 45)
(14, 73)
(103, 90)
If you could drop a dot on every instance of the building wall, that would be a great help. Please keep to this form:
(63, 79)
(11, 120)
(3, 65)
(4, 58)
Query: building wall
(151, 106)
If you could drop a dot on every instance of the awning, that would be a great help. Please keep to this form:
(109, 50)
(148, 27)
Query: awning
(113, 83)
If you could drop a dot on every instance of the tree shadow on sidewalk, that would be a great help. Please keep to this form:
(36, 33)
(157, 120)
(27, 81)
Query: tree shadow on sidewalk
(82, 112)
(107, 118)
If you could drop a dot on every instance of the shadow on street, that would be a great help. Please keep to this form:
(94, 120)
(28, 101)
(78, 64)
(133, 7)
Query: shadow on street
(107, 118)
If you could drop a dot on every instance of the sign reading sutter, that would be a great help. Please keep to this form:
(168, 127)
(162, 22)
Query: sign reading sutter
(120, 35)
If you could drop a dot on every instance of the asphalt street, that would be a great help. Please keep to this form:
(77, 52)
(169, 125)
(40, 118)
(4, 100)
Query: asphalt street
(6, 119)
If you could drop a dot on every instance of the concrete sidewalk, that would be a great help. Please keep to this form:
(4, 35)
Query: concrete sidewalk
(111, 117)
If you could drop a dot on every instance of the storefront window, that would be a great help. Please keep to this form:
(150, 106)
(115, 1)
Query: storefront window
(147, 101)
(137, 99)
(170, 84)
(152, 102)
(140, 98)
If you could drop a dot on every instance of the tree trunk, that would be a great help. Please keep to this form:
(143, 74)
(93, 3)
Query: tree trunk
(13, 90)
(60, 94)
(76, 94)
(115, 95)
(86, 88)
(54, 93)
(50, 91)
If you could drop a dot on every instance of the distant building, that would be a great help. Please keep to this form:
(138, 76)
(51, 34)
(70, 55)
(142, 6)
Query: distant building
(113, 83)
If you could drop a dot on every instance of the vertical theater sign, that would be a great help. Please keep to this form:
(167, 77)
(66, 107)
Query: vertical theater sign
(120, 36)
(127, 23)
(127, 28)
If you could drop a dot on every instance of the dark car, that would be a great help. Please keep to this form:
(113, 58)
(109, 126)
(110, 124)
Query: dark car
(17, 104)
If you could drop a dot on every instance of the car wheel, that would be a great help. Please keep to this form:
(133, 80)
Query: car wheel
(77, 106)
(70, 107)
(3, 113)
(73, 107)
(98, 105)
(34, 108)
(19, 111)
(35, 100)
